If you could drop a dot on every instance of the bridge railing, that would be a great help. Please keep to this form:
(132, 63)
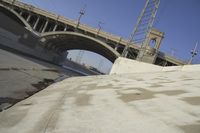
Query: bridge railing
(172, 58)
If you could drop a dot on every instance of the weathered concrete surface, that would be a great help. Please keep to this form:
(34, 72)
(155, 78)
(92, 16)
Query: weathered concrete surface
(158, 102)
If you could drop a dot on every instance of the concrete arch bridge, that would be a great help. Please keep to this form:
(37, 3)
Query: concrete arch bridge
(57, 34)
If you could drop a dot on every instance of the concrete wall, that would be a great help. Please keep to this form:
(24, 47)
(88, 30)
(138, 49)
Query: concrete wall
(15, 36)
(190, 68)
(123, 65)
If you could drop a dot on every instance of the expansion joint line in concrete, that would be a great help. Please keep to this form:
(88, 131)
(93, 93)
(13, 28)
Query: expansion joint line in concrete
(53, 112)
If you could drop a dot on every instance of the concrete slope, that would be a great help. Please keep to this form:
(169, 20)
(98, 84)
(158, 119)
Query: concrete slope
(159, 102)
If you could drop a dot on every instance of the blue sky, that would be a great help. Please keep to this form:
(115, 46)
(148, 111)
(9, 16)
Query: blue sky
(179, 19)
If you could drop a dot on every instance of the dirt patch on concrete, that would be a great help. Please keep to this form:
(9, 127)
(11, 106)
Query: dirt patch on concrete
(145, 94)
(83, 99)
(6, 102)
(156, 85)
(191, 128)
(192, 100)
(141, 95)
(173, 92)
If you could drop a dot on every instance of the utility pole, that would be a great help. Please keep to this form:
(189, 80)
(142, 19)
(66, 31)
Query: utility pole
(193, 53)
(82, 12)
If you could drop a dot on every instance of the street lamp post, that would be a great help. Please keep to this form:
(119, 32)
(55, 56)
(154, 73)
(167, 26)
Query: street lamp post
(82, 12)
(100, 27)
(193, 53)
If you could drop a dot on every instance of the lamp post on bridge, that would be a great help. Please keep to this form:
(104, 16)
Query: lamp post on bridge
(82, 12)
(100, 27)
(193, 53)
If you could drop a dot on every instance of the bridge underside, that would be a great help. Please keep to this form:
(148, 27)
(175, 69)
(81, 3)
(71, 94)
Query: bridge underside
(62, 41)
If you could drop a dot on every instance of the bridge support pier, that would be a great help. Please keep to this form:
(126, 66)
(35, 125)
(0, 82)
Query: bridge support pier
(36, 23)
(116, 47)
(55, 27)
(65, 29)
(45, 26)
(28, 18)
(21, 13)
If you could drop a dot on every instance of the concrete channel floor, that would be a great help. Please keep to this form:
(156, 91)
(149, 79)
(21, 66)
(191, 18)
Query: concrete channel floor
(21, 76)
(159, 102)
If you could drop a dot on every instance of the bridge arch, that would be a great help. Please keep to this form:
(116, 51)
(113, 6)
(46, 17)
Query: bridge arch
(61, 41)
(20, 18)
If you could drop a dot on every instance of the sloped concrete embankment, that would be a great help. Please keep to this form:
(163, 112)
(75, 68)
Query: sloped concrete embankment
(143, 102)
